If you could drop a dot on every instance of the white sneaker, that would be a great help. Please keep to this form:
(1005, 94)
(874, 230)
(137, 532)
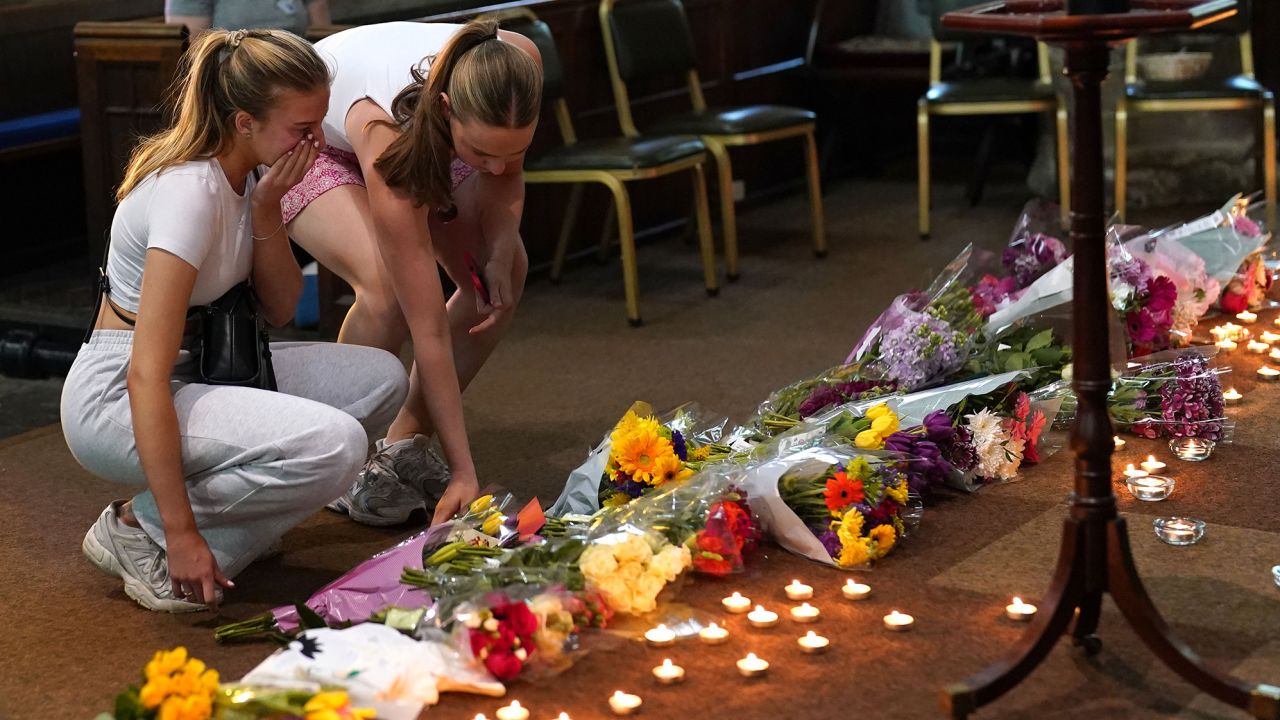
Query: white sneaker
(399, 480)
(131, 555)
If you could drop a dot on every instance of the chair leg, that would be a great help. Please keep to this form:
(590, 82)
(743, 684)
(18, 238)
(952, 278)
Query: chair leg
(1122, 156)
(1269, 160)
(606, 234)
(1064, 166)
(566, 230)
(706, 242)
(815, 195)
(728, 223)
(922, 140)
(627, 242)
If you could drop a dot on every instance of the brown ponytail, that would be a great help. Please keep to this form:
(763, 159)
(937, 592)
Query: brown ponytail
(224, 72)
(488, 81)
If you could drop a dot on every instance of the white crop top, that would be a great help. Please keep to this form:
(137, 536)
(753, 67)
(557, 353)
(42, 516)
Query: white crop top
(374, 61)
(191, 211)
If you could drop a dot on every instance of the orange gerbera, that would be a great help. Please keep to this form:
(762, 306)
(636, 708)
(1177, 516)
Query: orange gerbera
(842, 491)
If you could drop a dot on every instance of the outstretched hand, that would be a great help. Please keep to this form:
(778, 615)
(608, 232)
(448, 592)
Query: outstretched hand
(462, 489)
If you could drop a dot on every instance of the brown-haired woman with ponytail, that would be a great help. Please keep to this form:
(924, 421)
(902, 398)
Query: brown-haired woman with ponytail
(228, 469)
(427, 126)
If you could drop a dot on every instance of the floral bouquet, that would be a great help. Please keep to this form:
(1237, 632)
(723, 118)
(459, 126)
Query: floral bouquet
(629, 567)
(1224, 239)
(1033, 250)
(937, 450)
(1145, 300)
(176, 685)
(1248, 289)
(1196, 290)
(835, 505)
(1177, 397)
(789, 406)
(641, 453)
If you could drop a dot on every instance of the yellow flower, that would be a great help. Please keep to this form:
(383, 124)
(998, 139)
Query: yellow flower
(638, 455)
(858, 468)
(898, 493)
(154, 692)
(885, 425)
(877, 411)
(699, 454)
(362, 713)
(330, 700)
(631, 424)
(884, 537)
(671, 469)
(617, 500)
(850, 530)
(166, 662)
(481, 503)
(869, 440)
(853, 554)
(492, 524)
(195, 707)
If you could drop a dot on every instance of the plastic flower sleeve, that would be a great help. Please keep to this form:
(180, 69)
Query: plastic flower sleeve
(1223, 238)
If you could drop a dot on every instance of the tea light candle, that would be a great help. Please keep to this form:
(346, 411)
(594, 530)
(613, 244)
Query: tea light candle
(1254, 346)
(562, 716)
(752, 666)
(1269, 337)
(713, 634)
(624, 703)
(1247, 317)
(1119, 441)
(1275, 354)
(854, 590)
(1226, 345)
(798, 591)
(762, 618)
(1268, 374)
(1232, 396)
(1151, 488)
(1020, 611)
(661, 636)
(1179, 530)
(1192, 449)
(1151, 464)
(514, 711)
(1220, 332)
(806, 613)
(736, 603)
(668, 672)
(1235, 332)
(898, 622)
(813, 643)
(1131, 472)
(480, 716)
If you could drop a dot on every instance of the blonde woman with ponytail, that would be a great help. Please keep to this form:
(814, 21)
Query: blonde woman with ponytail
(228, 469)
(427, 125)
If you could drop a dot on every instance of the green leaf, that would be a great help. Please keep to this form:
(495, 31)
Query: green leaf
(1040, 340)
(1015, 361)
(1047, 357)
(308, 618)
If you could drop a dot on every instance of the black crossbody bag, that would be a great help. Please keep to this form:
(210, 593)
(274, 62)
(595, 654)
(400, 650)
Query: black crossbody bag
(232, 343)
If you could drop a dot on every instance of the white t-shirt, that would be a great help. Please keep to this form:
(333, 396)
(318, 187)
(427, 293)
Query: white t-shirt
(191, 211)
(374, 61)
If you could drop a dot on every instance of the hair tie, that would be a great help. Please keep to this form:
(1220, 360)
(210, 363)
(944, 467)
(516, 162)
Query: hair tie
(491, 36)
(233, 40)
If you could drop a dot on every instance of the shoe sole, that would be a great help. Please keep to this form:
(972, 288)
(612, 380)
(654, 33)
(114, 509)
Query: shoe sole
(104, 560)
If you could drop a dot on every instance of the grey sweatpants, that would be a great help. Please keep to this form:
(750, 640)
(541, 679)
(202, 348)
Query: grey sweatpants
(256, 462)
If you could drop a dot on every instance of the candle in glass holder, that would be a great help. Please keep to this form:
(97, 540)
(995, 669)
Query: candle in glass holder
(713, 634)
(661, 636)
(1232, 396)
(806, 613)
(898, 622)
(1260, 348)
(752, 666)
(736, 603)
(1119, 441)
(762, 618)
(668, 672)
(514, 711)
(1275, 354)
(1151, 464)
(1192, 449)
(1179, 530)
(1268, 374)
(1247, 317)
(1152, 488)
(854, 590)
(1019, 610)
(813, 643)
(1275, 574)
(798, 591)
(1131, 472)
(624, 703)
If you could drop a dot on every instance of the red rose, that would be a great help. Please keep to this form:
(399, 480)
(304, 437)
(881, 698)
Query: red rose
(710, 543)
(712, 566)
(504, 666)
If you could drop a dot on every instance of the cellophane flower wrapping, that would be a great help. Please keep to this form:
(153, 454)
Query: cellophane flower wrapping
(1225, 238)
(641, 452)
(833, 504)
(1196, 291)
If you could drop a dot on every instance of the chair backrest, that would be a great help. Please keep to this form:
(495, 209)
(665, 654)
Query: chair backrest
(650, 37)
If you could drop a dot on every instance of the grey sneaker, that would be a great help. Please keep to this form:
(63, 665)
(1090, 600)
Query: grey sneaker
(131, 555)
(399, 479)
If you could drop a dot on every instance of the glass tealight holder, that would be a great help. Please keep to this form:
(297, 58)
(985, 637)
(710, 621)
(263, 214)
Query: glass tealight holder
(1191, 449)
(1275, 574)
(1179, 530)
(1151, 488)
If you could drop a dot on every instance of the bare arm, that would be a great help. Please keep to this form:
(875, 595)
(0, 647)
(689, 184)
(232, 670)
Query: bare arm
(405, 244)
(500, 226)
(277, 279)
(166, 292)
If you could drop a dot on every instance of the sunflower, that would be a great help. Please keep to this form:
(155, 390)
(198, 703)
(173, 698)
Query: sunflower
(631, 424)
(853, 554)
(670, 469)
(639, 453)
(849, 529)
(842, 492)
(884, 537)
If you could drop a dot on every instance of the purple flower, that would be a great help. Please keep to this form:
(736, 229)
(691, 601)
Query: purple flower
(679, 445)
(938, 426)
(822, 397)
(630, 487)
(961, 453)
(831, 542)
(920, 350)
(1191, 403)
(1030, 256)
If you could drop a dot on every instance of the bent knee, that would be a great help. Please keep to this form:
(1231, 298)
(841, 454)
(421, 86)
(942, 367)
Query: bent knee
(342, 444)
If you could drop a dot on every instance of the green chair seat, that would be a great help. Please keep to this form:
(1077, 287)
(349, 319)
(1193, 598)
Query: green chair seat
(622, 153)
(986, 90)
(1237, 86)
(733, 121)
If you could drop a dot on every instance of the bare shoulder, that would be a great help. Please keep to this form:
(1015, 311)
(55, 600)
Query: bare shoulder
(523, 43)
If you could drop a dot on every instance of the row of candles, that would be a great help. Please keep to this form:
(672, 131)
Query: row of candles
(1229, 336)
